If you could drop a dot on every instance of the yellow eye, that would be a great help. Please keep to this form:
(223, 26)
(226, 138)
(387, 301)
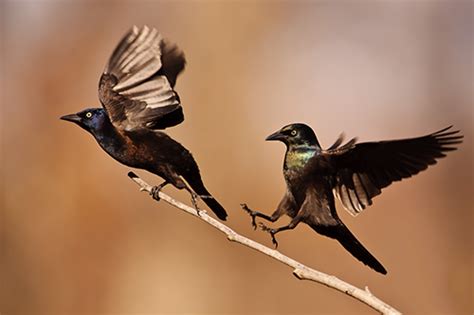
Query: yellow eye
(88, 115)
(293, 133)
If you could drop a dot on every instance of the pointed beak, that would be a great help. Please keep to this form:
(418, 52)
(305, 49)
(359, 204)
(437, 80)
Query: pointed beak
(275, 136)
(72, 118)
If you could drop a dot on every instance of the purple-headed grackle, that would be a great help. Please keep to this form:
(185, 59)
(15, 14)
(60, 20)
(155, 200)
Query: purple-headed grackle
(138, 99)
(355, 173)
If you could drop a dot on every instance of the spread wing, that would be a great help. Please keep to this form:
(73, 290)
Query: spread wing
(363, 169)
(136, 88)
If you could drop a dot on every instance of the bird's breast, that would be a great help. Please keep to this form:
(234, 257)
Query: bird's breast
(124, 149)
(297, 159)
(294, 166)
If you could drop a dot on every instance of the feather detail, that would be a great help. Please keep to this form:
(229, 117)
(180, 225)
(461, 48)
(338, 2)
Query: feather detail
(136, 88)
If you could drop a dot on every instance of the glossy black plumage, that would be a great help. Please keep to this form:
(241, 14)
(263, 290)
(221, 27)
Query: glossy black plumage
(355, 173)
(138, 99)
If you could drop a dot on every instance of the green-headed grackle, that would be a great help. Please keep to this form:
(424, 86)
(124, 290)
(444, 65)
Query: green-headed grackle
(138, 99)
(355, 173)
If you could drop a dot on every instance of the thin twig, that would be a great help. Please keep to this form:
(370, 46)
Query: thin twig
(301, 271)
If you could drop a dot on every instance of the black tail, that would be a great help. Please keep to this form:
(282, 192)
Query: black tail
(198, 187)
(351, 244)
(215, 206)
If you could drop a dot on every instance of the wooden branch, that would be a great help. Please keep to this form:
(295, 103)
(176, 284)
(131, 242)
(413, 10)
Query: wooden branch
(301, 271)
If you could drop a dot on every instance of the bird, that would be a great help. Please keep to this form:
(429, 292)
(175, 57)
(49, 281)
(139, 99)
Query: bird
(353, 172)
(136, 91)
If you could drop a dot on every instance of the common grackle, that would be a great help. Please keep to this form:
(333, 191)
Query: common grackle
(354, 173)
(138, 99)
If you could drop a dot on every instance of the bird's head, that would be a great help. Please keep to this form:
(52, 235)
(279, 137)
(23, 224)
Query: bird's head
(295, 135)
(90, 119)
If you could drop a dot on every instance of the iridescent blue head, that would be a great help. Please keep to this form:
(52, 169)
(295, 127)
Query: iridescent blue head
(296, 135)
(91, 119)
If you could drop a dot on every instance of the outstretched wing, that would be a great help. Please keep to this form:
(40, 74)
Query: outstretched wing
(363, 169)
(136, 88)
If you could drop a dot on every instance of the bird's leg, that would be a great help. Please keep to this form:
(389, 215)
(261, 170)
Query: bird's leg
(255, 214)
(180, 184)
(156, 189)
(277, 214)
(194, 198)
(272, 232)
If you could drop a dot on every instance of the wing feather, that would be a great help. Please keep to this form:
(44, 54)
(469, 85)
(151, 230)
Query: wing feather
(136, 88)
(364, 169)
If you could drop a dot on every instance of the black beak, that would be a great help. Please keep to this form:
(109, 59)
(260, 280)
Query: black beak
(72, 118)
(275, 136)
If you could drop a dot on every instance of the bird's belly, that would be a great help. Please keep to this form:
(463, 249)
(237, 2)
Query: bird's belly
(295, 186)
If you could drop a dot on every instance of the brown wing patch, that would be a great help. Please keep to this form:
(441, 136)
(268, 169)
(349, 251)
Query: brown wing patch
(136, 88)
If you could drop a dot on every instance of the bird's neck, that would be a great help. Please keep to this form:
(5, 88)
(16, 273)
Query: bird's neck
(108, 137)
(296, 157)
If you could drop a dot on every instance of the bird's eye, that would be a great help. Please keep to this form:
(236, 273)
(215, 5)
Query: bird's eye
(293, 133)
(88, 115)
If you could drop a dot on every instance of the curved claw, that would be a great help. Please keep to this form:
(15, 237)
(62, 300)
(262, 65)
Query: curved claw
(194, 198)
(245, 208)
(155, 192)
(254, 224)
(253, 214)
(272, 232)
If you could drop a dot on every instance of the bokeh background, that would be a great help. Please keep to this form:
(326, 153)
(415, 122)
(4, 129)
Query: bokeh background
(78, 237)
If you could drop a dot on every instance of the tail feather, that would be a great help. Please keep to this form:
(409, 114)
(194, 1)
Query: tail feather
(215, 207)
(199, 188)
(352, 245)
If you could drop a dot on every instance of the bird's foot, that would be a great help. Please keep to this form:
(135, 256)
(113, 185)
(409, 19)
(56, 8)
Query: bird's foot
(272, 232)
(194, 198)
(251, 213)
(155, 192)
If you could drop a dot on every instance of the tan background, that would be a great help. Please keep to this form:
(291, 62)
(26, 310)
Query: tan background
(77, 236)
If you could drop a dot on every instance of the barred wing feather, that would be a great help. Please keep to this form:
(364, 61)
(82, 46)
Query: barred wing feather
(136, 88)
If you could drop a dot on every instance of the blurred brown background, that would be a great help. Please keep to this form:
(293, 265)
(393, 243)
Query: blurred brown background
(78, 237)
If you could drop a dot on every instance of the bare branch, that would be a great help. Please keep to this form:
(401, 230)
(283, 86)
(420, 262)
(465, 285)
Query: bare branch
(301, 271)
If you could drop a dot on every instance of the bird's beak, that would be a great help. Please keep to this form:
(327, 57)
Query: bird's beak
(275, 136)
(72, 118)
